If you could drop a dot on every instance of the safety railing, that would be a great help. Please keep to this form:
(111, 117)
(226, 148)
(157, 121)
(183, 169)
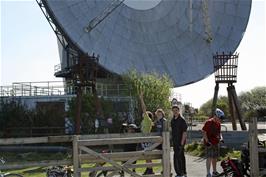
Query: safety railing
(55, 88)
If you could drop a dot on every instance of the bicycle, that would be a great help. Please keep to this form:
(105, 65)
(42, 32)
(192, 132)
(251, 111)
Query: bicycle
(59, 171)
(236, 167)
(8, 174)
(233, 168)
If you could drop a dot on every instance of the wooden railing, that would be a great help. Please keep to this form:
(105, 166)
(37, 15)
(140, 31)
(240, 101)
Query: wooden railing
(33, 131)
(35, 140)
(254, 151)
(119, 161)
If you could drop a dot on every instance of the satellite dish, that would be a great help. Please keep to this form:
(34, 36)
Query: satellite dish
(173, 37)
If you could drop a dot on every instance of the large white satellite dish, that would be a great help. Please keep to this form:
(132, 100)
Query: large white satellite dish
(174, 37)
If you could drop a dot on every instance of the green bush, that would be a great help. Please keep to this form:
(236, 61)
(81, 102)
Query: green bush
(198, 149)
(14, 114)
(195, 149)
(191, 147)
(156, 89)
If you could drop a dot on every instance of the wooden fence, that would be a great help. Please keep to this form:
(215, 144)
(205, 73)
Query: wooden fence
(84, 153)
(35, 140)
(33, 131)
(254, 151)
(121, 161)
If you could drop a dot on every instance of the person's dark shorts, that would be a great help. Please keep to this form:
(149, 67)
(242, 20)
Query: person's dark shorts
(212, 151)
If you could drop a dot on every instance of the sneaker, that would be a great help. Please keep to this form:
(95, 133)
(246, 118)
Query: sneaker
(208, 175)
(215, 173)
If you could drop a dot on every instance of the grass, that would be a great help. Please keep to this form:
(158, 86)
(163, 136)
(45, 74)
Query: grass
(30, 172)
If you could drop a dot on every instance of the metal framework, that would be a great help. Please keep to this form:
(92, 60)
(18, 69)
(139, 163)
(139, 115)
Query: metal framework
(72, 50)
(60, 36)
(105, 13)
(65, 41)
(81, 70)
(57, 88)
(225, 66)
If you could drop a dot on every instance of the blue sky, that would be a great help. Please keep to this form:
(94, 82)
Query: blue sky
(29, 51)
(28, 44)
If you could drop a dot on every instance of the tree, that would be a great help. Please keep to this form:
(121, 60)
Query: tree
(250, 102)
(222, 103)
(155, 88)
(253, 101)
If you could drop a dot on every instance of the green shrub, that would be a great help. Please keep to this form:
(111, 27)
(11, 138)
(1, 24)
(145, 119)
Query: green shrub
(156, 89)
(195, 149)
(198, 149)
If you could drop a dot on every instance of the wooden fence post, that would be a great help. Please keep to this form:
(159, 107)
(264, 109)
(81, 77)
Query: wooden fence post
(75, 156)
(166, 154)
(253, 148)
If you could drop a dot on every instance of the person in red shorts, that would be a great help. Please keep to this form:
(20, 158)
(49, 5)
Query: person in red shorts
(212, 137)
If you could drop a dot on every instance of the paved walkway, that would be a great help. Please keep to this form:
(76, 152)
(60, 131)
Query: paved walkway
(195, 166)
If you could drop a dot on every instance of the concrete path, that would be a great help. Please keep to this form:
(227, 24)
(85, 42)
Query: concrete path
(196, 166)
